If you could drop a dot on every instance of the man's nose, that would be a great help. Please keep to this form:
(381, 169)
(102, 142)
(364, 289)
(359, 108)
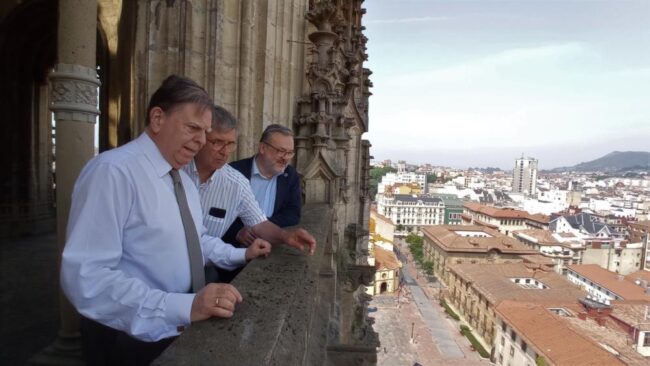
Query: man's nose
(201, 138)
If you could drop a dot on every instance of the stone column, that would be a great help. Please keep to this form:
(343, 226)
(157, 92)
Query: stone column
(74, 97)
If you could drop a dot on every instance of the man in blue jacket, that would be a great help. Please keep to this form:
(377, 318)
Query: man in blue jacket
(275, 183)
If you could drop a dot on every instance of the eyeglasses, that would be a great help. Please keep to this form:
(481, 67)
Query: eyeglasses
(219, 145)
(284, 153)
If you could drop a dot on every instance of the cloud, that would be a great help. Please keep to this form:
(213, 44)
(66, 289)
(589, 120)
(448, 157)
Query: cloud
(642, 72)
(405, 20)
(503, 61)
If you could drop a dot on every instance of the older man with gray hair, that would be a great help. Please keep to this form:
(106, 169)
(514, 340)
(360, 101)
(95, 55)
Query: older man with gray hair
(226, 194)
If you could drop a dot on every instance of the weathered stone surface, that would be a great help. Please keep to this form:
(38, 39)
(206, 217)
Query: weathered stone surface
(275, 324)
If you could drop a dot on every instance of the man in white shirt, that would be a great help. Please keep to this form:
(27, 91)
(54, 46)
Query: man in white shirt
(226, 194)
(126, 266)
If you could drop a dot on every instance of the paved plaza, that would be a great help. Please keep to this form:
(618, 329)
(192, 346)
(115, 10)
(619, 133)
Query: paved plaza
(415, 313)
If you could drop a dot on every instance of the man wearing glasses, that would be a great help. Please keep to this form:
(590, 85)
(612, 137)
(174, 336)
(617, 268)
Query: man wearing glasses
(274, 182)
(226, 194)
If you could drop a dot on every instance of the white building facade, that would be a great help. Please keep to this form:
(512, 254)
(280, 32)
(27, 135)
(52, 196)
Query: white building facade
(403, 177)
(410, 212)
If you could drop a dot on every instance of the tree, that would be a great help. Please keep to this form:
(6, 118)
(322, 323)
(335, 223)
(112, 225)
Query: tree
(375, 177)
(416, 246)
(428, 267)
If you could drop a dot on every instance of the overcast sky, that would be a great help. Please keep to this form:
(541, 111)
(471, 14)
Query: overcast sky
(478, 83)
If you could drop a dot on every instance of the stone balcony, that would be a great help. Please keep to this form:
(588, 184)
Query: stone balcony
(297, 309)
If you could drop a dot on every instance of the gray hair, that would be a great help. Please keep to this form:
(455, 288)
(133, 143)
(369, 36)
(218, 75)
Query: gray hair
(222, 120)
(177, 90)
(275, 128)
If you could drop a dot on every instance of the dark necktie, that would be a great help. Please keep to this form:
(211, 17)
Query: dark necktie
(191, 236)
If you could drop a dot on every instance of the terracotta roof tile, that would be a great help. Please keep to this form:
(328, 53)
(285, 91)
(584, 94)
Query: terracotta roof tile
(609, 335)
(493, 281)
(542, 237)
(639, 275)
(552, 336)
(610, 280)
(544, 219)
(447, 238)
(495, 211)
(632, 313)
(385, 259)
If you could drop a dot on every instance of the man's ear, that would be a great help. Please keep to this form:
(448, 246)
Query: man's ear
(156, 119)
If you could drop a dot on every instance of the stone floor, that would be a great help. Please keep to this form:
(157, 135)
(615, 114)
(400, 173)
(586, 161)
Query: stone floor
(29, 307)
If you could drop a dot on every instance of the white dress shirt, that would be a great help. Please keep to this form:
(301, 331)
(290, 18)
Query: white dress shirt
(229, 190)
(125, 262)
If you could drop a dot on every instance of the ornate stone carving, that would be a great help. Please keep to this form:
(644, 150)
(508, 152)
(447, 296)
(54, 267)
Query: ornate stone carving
(358, 275)
(74, 92)
(334, 162)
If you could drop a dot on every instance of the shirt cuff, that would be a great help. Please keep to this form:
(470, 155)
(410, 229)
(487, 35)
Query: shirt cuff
(178, 309)
(238, 257)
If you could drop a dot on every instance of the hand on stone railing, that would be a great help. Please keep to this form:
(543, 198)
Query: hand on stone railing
(258, 248)
(215, 300)
(301, 239)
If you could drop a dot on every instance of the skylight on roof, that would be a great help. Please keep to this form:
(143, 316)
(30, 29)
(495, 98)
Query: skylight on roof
(529, 283)
(560, 311)
(472, 234)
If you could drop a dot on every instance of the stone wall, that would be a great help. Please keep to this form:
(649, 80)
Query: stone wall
(248, 54)
(473, 307)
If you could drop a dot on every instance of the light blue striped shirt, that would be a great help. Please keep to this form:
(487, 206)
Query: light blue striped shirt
(264, 189)
(229, 190)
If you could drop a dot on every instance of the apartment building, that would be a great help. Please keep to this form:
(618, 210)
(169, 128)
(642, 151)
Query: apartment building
(605, 286)
(457, 244)
(505, 220)
(524, 176)
(383, 226)
(410, 213)
(475, 290)
(391, 179)
(530, 333)
(562, 254)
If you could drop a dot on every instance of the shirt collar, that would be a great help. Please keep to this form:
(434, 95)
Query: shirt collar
(256, 170)
(195, 172)
(153, 154)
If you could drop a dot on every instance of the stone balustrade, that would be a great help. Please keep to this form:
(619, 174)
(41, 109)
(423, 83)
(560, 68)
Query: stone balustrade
(285, 318)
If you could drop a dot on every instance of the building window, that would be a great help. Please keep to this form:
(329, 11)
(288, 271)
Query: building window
(646, 339)
(513, 335)
(512, 350)
(501, 358)
(524, 346)
(503, 340)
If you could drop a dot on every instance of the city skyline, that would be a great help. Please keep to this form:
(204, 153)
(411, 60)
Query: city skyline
(455, 80)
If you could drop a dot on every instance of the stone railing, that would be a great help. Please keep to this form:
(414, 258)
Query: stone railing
(286, 316)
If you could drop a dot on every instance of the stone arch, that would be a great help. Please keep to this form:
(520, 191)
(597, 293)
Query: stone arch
(383, 287)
